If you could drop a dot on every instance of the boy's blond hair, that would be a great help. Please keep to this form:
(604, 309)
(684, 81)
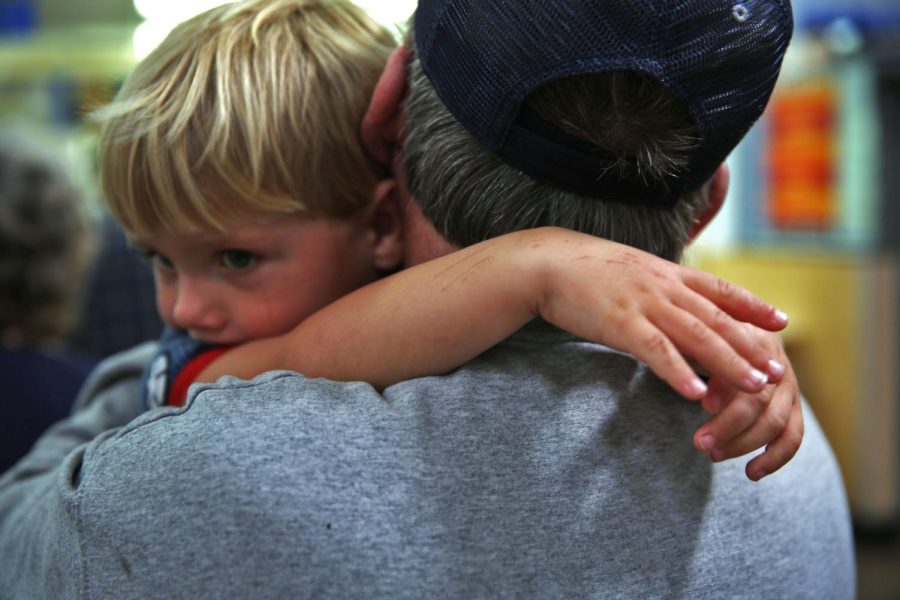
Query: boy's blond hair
(250, 108)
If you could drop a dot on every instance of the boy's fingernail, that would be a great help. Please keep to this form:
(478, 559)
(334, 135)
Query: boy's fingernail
(707, 442)
(776, 369)
(758, 378)
(781, 316)
(757, 475)
(717, 455)
(696, 388)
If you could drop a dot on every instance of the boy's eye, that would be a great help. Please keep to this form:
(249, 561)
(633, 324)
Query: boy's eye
(164, 261)
(239, 259)
(156, 259)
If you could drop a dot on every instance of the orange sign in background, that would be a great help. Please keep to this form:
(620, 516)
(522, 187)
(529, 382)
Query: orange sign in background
(802, 158)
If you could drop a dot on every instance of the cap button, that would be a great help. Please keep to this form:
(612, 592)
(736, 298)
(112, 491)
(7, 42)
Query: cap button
(740, 13)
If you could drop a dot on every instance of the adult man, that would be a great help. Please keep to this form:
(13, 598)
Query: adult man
(548, 467)
(618, 128)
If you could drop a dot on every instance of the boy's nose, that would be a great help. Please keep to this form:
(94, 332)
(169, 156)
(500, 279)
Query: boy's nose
(196, 307)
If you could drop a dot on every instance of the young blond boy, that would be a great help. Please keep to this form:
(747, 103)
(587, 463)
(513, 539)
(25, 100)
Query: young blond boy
(231, 158)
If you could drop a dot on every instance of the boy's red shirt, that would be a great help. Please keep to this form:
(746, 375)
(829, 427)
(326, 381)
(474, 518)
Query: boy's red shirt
(178, 391)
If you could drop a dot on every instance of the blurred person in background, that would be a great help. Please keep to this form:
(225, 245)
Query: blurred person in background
(45, 249)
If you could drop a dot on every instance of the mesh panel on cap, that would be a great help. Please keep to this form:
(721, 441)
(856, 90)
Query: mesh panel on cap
(721, 58)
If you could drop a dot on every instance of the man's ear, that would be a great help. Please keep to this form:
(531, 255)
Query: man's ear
(386, 225)
(382, 124)
(718, 189)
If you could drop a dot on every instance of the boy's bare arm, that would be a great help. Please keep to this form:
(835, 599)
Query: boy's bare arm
(436, 316)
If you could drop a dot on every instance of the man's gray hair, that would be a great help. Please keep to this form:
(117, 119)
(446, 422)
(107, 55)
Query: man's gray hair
(470, 194)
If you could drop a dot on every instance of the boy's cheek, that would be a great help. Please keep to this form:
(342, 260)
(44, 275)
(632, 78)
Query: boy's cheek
(164, 302)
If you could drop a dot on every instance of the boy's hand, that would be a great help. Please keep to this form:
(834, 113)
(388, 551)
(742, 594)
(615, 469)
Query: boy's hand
(661, 312)
(744, 422)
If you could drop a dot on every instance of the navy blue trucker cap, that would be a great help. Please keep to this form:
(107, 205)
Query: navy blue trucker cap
(721, 58)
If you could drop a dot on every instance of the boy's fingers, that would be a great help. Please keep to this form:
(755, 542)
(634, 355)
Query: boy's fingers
(767, 413)
(771, 418)
(695, 339)
(782, 450)
(740, 427)
(782, 424)
(718, 396)
(746, 340)
(735, 300)
(651, 346)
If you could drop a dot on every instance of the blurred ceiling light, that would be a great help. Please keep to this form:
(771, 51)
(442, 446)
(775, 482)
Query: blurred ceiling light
(173, 11)
(389, 12)
(162, 15)
(147, 36)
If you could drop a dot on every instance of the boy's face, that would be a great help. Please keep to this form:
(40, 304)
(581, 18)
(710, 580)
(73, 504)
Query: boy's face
(258, 280)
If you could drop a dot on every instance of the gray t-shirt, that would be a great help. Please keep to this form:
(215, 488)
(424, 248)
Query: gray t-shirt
(546, 468)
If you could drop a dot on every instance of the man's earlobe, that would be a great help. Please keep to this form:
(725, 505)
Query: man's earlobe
(386, 222)
(383, 122)
(718, 189)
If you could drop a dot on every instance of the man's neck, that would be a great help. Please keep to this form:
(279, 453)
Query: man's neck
(421, 241)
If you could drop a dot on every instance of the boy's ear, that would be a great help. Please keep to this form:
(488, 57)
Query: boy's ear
(386, 223)
(383, 122)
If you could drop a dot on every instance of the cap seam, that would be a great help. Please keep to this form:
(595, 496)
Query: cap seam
(431, 29)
